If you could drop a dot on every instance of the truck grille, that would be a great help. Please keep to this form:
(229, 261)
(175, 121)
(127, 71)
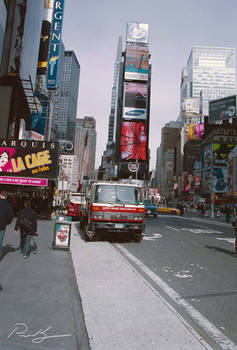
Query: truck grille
(117, 216)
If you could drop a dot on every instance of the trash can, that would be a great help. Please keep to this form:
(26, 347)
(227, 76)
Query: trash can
(62, 233)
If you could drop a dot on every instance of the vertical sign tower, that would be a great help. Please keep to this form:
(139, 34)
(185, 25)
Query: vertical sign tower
(134, 131)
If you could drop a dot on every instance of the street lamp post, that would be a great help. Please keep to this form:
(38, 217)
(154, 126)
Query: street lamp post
(212, 197)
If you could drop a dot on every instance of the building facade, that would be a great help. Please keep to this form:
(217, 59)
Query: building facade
(210, 70)
(69, 86)
(20, 28)
(85, 146)
(69, 165)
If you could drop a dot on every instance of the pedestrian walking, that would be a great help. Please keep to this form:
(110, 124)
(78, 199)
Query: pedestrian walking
(227, 212)
(6, 216)
(234, 224)
(202, 210)
(27, 223)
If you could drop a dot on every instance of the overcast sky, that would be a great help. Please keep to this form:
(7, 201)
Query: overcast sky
(91, 28)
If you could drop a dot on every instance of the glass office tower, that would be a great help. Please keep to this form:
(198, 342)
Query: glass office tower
(69, 85)
(212, 71)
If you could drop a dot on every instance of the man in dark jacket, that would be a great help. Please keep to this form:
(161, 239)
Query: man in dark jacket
(6, 216)
(26, 217)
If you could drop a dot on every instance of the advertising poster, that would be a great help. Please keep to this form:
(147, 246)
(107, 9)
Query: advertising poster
(28, 159)
(135, 96)
(133, 141)
(221, 154)
(232, 171)
(197, 181)
(220, 178)
(222, 109)
(207, 181)
(62, 235)
(188, 182)
(206, 156)
(38, 119)
(195, 131)
(137, 33)
(45, 38)
(136, 62)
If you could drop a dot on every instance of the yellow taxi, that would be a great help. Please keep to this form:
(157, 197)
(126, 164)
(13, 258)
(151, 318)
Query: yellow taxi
(168, 210)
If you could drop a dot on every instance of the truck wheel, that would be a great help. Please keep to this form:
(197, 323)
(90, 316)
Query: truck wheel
(89, 235)
(81, 224)
(138, 238)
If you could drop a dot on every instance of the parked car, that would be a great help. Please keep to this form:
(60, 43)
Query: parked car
(151, 209)
(168, 210)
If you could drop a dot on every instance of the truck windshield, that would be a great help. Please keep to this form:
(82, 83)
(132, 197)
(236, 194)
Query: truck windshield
(77, 199)
(118, 194)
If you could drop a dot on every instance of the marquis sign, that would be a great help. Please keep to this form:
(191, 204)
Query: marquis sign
(28, 159)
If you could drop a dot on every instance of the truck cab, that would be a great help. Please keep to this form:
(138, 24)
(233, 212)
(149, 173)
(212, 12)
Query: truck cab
(77, 202)
(114, 208)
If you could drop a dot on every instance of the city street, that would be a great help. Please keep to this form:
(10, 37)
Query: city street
(176, 289)
(191, 263)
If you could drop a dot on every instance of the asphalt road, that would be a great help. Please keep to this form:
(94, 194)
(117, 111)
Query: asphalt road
(191, 263)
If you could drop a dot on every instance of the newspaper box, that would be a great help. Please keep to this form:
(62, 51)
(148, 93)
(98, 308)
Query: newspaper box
(62, 233)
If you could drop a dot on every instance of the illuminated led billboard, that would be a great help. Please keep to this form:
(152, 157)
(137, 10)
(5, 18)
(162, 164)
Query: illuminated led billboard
(137, 33)
(195, 131)
(135, 96)
(133, 141)
(224, 108)
(136, 62)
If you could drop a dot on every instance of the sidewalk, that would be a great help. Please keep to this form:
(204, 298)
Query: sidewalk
(122, 312)
(220, 219)
(40, 307)
(40, 295)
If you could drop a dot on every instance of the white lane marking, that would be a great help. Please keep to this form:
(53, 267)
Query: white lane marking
(172, 228)
(215, 334)
(194, 230)
(153, 237)
(230, 240)
(183, 275)
(200, 230)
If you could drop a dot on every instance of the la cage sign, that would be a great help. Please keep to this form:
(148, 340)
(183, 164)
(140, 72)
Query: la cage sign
(27, 158)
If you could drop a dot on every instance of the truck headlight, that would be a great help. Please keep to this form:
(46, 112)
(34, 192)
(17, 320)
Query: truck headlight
(139, 217)
(98, 215)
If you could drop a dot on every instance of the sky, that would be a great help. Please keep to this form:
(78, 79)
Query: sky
(91, 29)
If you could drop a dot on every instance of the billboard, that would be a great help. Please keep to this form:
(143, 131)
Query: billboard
(45, 37)
(220, 180)
(28, 159)
(133, 141)
(137, 33)
(136, 62)
(206, 157)
(55, 44)
(195, 131)
(221, 154)
(135, 97)
(38, 118)
(188, 182)
(222, 109)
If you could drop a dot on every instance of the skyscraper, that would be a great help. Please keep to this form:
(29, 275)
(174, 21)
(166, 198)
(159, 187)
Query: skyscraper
(68, 97)
(112, 115)
(210, 75)
(85, 146)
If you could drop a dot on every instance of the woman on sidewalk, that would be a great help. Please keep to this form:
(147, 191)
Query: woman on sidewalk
(27, 223)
